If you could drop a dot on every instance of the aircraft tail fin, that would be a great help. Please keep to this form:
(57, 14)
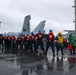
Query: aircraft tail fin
(26, 24)
(40, 27)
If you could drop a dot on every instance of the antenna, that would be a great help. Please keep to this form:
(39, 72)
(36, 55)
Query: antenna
(75, 16)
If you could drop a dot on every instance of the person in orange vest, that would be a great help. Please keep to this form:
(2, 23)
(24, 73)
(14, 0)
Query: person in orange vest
(32, 42)
(40, 37)
(50, 42)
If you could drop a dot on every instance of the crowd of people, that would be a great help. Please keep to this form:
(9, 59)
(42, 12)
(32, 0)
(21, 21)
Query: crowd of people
(31, 43)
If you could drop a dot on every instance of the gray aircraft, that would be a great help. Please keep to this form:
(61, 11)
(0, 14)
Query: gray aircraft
(26, 26)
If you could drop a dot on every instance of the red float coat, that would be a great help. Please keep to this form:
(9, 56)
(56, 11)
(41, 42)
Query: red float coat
(50, 36)
(40, 36)
(9, 38)
(27, 37)
(32, 37)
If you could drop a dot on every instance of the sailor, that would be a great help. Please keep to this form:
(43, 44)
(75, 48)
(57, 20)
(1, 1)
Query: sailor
(9, 43)
(50, 42)
(40, 37)
(13, 43)
(5, 43)
(18, 41)
(59, 43)
(27, 38)
(22, 41)
(32, 42)
(1, 42)
(71, 41)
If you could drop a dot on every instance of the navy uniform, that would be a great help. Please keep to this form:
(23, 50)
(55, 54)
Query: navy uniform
(27, 38)
(22, 41)
(59, 43)
(5, 43)
(9, 43)
(1, 42)
(32, 42)
(13, 42)
(18, 42)
(40, 41)
(71, 40)
(50, 42)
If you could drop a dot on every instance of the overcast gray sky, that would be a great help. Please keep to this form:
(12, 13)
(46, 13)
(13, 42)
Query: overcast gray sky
(59, 14)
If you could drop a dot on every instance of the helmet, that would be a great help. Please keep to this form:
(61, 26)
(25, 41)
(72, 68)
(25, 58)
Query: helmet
(22, 33)
(39, 31)
(12, 35)
(27, 33)
(71, 33)
(19, 34)
(31, 32)
(59, 33)
(4, 35)
(0, 34)
(50, 30)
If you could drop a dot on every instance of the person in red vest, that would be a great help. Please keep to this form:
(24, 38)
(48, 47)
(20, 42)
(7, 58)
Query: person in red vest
(18, 42)
(13, 43)
(32, 42)
(5, 43)
(1, 42)
(27, 38)
(9, 43)
(22, 41)
(40, 37)
(50, 42)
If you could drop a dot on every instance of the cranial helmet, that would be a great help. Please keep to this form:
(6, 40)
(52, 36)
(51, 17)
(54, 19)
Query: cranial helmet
(50, 30)
(39, 31)
(59, 33)
(31, 32)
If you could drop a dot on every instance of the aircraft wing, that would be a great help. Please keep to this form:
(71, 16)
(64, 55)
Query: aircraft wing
(40, 27)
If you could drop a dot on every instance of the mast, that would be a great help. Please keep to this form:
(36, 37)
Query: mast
(75, 16)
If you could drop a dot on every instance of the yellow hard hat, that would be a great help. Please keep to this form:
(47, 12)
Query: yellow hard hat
(59, 33)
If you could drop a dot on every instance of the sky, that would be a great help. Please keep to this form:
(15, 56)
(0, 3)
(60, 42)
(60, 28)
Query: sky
(59, 14)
